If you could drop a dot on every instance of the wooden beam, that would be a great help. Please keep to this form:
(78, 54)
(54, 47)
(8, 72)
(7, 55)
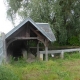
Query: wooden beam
(20, 38)
(37, 30)
(23, 38)
(40, 38)
(10, 42)
(37, 33)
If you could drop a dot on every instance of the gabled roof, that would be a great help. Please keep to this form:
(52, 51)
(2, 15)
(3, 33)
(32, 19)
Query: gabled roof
(44, 28)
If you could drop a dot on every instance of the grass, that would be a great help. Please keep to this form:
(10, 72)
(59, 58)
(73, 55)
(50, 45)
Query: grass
(55, 69)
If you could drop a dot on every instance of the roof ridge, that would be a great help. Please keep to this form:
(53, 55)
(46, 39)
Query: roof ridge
(41, 23)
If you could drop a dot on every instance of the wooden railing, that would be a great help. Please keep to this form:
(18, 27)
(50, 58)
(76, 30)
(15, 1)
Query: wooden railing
(60, 51)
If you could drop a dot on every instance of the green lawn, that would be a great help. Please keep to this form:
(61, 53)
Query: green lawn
(55, 69)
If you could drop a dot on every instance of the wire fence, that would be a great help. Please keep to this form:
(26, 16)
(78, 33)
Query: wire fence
(1, 49)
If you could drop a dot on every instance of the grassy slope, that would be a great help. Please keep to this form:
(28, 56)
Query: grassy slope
(54, 69)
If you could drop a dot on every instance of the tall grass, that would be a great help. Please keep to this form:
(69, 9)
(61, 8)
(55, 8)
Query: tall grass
(55, 69)
(72, 55)
(7, 74)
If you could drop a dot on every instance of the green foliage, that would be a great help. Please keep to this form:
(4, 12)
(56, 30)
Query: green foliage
(7, 74)
(32, 43)
(63, 15)
(75, 55)
(74, 41)
(55, 43)
(19, 63)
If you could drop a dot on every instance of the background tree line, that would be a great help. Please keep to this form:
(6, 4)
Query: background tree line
(62, 15)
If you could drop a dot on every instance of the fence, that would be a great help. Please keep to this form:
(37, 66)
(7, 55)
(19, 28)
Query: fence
(59, 51)
(2, 47)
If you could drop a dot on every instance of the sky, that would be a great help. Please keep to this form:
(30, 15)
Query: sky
(5, 24)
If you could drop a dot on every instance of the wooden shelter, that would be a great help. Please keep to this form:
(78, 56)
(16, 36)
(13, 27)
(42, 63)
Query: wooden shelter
(19, 38)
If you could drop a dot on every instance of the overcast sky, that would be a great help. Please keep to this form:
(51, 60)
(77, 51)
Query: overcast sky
(5, 24)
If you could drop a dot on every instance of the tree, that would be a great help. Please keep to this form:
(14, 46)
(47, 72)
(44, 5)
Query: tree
(65, 24)
(63, 15)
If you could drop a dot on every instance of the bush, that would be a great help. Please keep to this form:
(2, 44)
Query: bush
(74, 41)
(7, 74)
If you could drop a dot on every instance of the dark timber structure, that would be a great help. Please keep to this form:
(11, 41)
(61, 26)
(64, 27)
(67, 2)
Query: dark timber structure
(19, 38)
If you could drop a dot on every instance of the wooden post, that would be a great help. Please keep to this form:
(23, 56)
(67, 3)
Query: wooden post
(79, 51)
(38, 55)
(62, 55)
(41, 57)
(46, 50)
(24, 52)
(46, 54)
